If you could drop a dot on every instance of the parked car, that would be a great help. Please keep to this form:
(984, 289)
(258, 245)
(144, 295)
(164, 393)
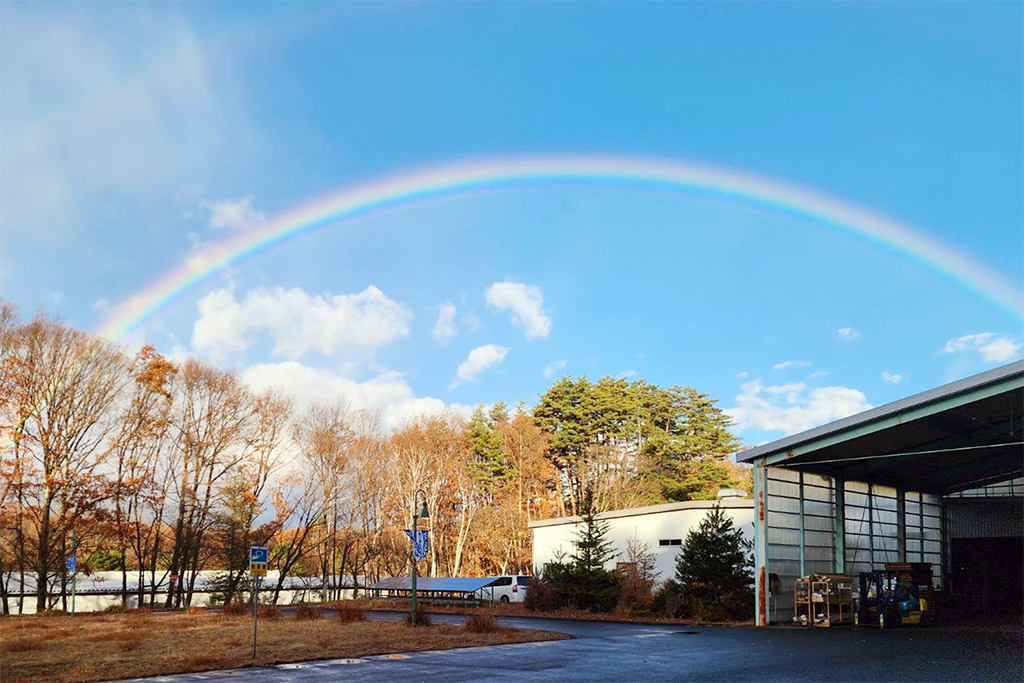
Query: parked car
(504, 589)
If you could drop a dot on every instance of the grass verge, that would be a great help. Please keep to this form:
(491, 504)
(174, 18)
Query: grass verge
(40, 649)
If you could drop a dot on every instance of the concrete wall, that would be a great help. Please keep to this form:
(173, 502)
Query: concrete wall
(649, 525)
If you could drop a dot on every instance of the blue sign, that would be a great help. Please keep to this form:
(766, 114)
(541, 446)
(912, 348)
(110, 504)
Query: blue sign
(258, 554)
(70, 564)
(420, 544)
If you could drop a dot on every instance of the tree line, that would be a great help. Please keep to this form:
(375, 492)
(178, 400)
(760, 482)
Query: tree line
(154, 468)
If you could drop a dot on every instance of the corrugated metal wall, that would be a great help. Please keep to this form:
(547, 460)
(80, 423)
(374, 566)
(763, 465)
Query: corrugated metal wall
(871, 530)
(984, 517)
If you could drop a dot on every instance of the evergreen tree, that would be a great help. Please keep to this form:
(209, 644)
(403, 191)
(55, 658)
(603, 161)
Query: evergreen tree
(590, 585)
(489, 463)
(714, 569)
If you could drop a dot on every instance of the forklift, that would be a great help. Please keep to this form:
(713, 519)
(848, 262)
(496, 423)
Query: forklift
(889, 598)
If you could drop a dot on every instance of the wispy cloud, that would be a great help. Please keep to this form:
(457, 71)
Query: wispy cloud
(817, 373)
(992, 347)
(626, 374)
(478, 360)
(234, 214)
(787, 364)
(551, 368)
(526, 302)
(742, 375)
(891, 377)
(847, 333)
(444, 327)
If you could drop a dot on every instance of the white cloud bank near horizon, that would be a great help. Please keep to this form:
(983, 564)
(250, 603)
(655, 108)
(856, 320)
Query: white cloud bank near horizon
(297, 322)
(388, 393)
(792, 408)
(525, 302)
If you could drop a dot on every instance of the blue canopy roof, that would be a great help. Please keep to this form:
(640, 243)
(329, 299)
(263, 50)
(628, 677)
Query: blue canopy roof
(445, 584)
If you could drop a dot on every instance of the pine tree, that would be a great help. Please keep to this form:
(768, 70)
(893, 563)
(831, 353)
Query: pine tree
(714, 567)
(590, 585)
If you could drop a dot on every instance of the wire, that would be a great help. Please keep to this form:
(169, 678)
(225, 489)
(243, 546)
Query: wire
(897, 455)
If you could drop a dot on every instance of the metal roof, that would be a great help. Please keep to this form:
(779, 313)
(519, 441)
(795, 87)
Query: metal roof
(962, 434)
(441, 584)
(652, 510)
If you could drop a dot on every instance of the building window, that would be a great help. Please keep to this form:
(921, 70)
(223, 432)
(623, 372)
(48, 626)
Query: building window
(670, 541)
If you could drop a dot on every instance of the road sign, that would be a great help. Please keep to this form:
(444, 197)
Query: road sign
(70, 564)
(258, 556)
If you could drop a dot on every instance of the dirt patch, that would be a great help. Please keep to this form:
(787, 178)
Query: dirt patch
(30, 652)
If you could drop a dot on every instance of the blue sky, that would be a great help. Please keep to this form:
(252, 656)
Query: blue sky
(136, 135)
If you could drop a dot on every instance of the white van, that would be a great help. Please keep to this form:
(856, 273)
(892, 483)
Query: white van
(504, 589)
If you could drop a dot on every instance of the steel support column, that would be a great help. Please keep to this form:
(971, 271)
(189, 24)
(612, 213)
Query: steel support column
(761, 544)
(839, 526)
(901, 525)
(803, 544)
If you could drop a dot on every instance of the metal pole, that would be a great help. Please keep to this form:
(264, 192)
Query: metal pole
(74, 574)
(415, 519)
(255, 611)
(803, 532)
(839, 526)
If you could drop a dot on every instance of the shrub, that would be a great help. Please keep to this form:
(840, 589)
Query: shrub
(541, 596)
(422, 618)
(481, 623)
(309, 612)
(116, 608)
(348, 611)
(194, 610)
(235, 609)
(269, 611)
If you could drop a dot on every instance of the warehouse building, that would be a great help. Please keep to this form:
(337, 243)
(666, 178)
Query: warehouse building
(933, 478)
(662, 528)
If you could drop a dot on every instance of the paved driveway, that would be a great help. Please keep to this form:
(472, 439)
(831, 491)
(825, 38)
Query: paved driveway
(640, 652)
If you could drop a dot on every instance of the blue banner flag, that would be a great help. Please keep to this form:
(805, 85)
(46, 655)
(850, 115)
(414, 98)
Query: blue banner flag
(420, 544)
(70, 564)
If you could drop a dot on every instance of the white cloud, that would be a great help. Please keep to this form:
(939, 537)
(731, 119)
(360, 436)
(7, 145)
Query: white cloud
(471, 321)
(817, 373)
(553, 367)
(444, 328)
(847, 333)
(993, 348)
(742, 375)
(478, 360)
(388, 393)
(102, 305)
(526, 303)
(786, 364)
(234, 214)
(298, 322)
(792, 408)
(626, 374)
(891, 378)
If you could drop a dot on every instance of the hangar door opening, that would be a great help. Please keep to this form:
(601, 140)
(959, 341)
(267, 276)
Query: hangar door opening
(985, 537)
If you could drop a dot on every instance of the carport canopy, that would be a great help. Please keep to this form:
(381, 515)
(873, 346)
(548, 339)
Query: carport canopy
(958, 436)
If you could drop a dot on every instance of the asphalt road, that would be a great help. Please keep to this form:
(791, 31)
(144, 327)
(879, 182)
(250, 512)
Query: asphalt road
(642, 652)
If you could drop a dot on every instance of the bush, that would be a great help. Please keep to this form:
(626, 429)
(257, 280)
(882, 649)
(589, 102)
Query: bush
(481, 623)
(236, 608)
(116, 608)
(541, 596)
(348, 611)
(269, 611)
(194, 610)
(309, 612)
(422, 618)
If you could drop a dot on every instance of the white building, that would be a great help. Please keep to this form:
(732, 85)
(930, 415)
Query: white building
(663, 528)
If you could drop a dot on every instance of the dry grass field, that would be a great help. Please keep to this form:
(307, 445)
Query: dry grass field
(51, 649)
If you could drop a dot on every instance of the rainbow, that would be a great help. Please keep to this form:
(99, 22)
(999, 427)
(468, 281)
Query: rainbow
(456, 178)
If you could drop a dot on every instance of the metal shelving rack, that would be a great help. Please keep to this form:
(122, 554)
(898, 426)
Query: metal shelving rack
(823, 600)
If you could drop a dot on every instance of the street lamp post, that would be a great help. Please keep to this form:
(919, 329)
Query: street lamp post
(415, 519)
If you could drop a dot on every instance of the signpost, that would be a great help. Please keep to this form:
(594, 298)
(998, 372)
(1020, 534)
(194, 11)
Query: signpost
(258, 557)
(71, 566)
